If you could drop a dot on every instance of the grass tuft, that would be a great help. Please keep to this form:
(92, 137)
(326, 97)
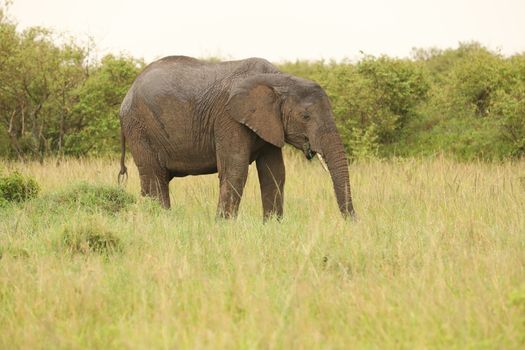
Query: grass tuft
(92, 198)
(13, 252)
(90, 237)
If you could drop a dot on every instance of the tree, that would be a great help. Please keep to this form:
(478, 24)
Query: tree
(96, 130)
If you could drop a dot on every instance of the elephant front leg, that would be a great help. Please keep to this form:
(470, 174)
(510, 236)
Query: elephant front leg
(270, 168)
(232, 180)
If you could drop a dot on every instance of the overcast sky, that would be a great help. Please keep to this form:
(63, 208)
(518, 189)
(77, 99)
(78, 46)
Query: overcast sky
(280, 29)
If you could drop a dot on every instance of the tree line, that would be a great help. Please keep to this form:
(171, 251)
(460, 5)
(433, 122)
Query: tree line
(58, 99)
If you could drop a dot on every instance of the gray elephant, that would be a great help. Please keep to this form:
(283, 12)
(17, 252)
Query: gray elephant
(183, 116)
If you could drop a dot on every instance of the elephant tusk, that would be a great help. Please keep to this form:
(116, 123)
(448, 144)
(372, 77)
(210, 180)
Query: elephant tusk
(323, 163)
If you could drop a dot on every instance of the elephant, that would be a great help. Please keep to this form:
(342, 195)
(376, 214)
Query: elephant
(183, 116)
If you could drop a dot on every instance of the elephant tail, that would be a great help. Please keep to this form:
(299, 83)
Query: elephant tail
(123, 174)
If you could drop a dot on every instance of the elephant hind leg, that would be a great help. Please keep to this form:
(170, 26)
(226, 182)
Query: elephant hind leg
(155, 184)
(154, 177)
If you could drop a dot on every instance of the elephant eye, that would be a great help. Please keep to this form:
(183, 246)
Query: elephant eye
(306, 115)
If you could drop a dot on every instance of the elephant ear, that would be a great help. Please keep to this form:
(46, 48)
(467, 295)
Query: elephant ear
(255, 104)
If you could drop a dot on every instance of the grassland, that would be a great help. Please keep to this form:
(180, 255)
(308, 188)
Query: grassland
(436, 260)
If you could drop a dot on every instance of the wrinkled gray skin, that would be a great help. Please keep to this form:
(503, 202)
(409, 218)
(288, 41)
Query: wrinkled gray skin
(185, 117)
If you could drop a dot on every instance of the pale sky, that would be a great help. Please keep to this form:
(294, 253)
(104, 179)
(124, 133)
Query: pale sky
(280, 29)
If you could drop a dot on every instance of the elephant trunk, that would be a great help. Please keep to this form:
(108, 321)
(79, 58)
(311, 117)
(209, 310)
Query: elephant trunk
(334, 154)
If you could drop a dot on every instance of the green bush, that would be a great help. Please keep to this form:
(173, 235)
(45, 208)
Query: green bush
(90, 236)
(16, 187)
(472, 81)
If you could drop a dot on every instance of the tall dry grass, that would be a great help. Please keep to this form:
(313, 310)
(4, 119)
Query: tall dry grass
(436, 260)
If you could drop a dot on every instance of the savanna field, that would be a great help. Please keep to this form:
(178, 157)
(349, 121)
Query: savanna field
(435, 260)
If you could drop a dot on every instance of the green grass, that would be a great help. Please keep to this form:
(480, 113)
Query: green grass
(436, 260)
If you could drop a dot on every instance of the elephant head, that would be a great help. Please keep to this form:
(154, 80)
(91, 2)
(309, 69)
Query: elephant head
(282, 108)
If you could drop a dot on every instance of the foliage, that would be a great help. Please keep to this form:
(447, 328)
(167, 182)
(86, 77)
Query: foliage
(476, 108)
(16, 187)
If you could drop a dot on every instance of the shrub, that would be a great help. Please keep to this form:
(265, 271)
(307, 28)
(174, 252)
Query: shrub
(17, 188)
(467, 85)
(90, 236)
